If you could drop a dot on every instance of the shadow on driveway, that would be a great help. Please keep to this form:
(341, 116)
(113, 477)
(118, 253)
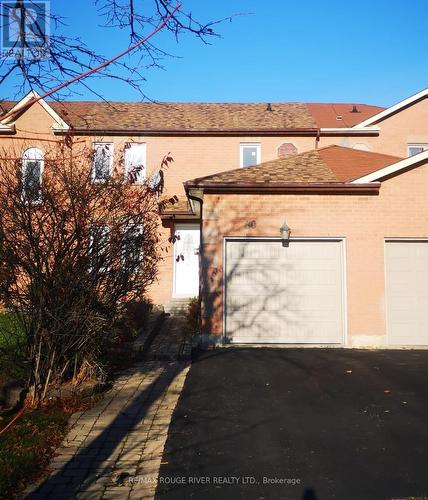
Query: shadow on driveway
(262, 423)
(88, 469)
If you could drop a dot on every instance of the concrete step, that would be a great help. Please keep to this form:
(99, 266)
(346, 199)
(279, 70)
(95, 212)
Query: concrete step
(177, 307)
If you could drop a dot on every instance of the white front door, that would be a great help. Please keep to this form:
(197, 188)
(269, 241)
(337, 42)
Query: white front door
(186, 260)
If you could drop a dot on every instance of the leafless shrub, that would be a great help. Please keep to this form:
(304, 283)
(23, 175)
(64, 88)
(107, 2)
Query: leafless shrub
(72, 250)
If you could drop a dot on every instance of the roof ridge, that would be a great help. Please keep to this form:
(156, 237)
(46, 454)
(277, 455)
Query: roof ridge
(211, 102)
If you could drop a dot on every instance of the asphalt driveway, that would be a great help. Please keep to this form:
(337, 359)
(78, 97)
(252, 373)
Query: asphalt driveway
(300, 424)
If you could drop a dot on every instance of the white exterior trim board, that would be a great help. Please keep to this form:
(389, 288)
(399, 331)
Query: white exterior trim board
(392, 109)
(62, 125)
(363, 132)
(392, 169)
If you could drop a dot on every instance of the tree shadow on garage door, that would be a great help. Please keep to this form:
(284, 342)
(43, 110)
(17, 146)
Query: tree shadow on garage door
(267, 289)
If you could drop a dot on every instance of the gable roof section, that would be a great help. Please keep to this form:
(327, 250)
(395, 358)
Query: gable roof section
(330, 165)
(409, 101)
(16, 107)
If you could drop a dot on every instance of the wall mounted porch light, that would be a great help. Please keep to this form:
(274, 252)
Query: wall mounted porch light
(285, 232)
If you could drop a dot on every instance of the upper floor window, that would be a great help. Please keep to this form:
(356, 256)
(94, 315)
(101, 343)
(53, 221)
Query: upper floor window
(415, 149)
(250, 154)
(102, 166)
(32, 171)
(135, 162)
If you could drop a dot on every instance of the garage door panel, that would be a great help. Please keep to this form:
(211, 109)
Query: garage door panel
(278, 316)
(314, 332)
(407, 292)
(296, 332)
(256, 276)
(310, 277)
(263, 251)
(398, 277)
(242, 304)
(296, 296)
(311, 301)
(416, 333)
(422, 277)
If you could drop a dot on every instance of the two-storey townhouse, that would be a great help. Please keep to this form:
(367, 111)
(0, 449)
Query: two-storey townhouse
(336, 175)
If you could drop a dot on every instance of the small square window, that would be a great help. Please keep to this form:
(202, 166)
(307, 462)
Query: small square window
(250, 154)
(415, 149)
(103, 161)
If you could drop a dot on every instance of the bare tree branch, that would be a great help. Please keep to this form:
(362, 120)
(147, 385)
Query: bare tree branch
(59, 57)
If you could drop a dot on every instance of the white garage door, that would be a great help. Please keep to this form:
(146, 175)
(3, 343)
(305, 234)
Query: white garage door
(277, 294)
(407, 292)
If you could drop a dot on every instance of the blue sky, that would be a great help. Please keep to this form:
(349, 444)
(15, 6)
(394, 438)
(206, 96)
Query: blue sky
(282, 50)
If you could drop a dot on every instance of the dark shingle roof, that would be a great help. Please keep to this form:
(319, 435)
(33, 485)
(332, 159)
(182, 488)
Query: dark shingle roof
(329, 164)
(214, 117)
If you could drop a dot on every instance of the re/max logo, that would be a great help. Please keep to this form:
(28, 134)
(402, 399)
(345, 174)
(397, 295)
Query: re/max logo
(25, 27)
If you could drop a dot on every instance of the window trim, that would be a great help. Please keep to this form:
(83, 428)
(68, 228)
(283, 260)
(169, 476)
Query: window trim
(128, 146)
(94, 147)
(26, 157)
(416, 145)
(243, 145)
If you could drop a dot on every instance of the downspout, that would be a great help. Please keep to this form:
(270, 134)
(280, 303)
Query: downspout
(197, 195)
(317, 139)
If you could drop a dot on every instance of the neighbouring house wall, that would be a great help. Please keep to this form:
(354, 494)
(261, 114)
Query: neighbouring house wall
(409, 126)
(400, 210)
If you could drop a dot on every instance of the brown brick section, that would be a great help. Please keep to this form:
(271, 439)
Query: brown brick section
(286, 150)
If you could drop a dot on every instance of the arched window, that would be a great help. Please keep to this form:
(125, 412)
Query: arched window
(32, 172)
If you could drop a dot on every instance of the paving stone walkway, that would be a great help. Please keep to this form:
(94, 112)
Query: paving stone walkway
(114, 449)
(171, 344)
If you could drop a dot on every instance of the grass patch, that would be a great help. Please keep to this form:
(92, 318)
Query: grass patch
(11, 346)
(27, 446)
